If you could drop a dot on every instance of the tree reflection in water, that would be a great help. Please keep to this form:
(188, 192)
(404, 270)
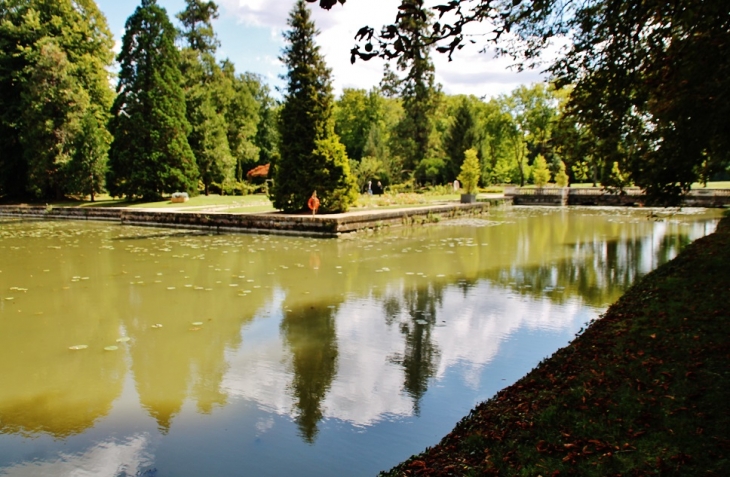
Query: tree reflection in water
(311, 335)
(416, 314)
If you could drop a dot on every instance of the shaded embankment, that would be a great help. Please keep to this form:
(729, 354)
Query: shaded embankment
(643, 391)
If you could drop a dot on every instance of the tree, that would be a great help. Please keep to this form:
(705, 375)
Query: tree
(470, 171)
(150, 154)
(649, 78)
(207, 91)
(197, 25)
(54, 56)
(561, 178)
(462, 135)
(417, 89)
(540, 172)
(51, 120)
(312, 157)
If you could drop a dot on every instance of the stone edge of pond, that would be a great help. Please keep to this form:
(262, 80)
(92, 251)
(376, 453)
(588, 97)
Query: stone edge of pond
(642, 391)
(331, 225)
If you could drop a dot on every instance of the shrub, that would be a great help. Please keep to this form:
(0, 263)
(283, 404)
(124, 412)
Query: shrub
(540, 172)
(470, 171)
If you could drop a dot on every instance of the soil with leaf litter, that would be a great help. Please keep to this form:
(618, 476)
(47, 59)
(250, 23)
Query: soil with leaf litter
(645, 390)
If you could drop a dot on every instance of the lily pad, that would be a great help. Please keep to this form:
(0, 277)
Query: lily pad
(123, 339)
(157, 325)
(197, 323)
(111, 348)
(78, 347)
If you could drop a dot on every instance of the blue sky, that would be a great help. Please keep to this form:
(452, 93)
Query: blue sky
(250, 36)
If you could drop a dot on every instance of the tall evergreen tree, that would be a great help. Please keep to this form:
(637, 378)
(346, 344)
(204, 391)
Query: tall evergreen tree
(150, 154)
(197, 25)
(54, 56)
(417, 89)
(312, 157)
(462, 135)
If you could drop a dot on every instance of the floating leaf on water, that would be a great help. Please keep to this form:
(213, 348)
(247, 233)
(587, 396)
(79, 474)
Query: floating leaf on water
(422, 322)
(111, 348)
(233, 285)
(10, 298)
(170, 288)
(123, 339)
(409, 273)
(78, 347)
(197, 323)
(157, 325)
(441, 275)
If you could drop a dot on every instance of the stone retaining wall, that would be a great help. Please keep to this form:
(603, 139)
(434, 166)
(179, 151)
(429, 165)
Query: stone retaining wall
(713, 198)
(332, 225)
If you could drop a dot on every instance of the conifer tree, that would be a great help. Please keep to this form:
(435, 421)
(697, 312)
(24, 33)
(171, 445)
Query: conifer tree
(418, 88)
(460, 137)
(312, 157)
(150, 154)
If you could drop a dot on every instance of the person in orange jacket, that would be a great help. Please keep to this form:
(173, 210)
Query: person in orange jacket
(313, 203)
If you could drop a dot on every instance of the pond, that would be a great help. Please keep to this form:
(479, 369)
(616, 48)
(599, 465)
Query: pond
(131, 351)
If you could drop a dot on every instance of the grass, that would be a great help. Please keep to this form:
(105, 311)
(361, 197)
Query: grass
(643, 391)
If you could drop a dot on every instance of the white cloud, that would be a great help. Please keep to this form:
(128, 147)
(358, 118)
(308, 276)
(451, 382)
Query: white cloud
(368, 387)
(471, 72)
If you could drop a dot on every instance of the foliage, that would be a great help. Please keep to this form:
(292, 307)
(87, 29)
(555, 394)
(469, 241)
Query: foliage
(431, 171)
(251, 119)
(53, 73)
(207, 91)
(88, 163)
(197, 25)
(540, 172)
(462, 135)
(417, 89)
(647, 78)
(368, 169)
(561, 178)
(150, 154)
(312, 158)
(336, 187)
(470, 171)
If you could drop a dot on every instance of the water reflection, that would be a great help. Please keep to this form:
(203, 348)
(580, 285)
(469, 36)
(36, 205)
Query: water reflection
(128, 457)
(357, 330)
(311, 338)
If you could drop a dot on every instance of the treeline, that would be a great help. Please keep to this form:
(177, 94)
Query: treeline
(181, 121)
(178, 121)
(514, 134)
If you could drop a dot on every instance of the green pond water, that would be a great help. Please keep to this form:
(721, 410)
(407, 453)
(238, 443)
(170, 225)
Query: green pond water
(129, 351)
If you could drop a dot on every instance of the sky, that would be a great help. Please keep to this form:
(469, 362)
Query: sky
(250, 32)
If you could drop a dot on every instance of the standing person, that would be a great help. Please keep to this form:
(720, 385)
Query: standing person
(313, 203)
(370, 187)
(456, 185)
(379, 188)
